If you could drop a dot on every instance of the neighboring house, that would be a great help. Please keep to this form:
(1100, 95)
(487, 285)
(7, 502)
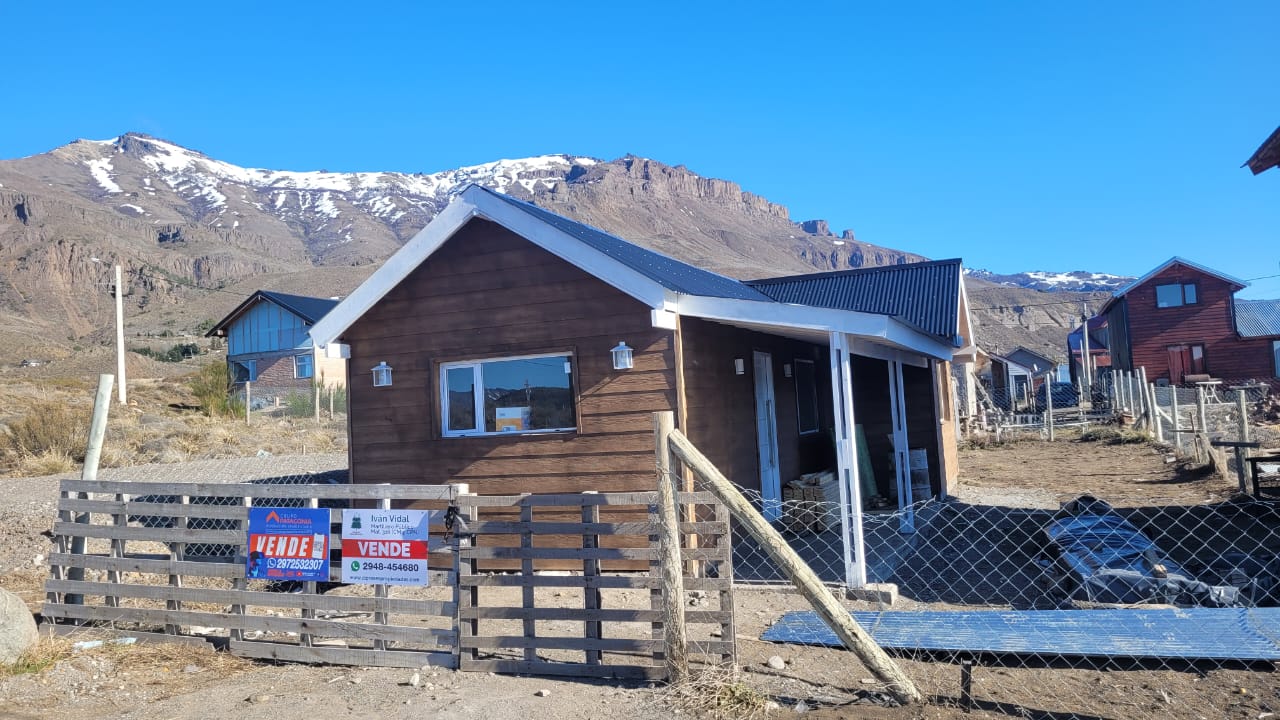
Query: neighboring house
(1015, 377)
(268, 345)
(481, 353)
(1182, 322)
(1099, 353)
(1267, 155)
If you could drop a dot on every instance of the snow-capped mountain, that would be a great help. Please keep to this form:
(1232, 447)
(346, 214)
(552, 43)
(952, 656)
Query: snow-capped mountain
(1074, 281)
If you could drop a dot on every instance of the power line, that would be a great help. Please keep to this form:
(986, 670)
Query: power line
(1026, 305)
(187, 284)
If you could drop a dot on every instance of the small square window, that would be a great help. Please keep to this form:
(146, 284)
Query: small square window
(303, 366)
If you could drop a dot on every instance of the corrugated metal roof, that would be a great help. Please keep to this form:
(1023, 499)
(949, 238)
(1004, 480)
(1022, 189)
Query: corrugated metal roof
(926, 294)
(1258, 318)
(667, 271)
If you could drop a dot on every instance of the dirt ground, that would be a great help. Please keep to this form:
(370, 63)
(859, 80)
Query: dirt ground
(147, 681)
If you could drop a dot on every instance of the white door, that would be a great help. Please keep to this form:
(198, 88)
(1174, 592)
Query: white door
(767, 436)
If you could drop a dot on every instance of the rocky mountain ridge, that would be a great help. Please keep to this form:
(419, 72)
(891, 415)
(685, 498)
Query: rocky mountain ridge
(196, 235)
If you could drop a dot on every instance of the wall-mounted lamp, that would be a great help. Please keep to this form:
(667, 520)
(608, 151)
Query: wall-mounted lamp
(622, 357)
(786, 370)
(739, 366)
(382, 375)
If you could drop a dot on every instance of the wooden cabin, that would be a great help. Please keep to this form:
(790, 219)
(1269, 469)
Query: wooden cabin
(492, 350)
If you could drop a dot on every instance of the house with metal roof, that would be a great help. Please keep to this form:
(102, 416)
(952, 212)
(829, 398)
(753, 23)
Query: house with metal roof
(269, 350)
(1183, 323)
(517, 350)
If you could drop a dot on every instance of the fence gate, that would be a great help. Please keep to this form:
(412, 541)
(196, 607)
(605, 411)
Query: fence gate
(166, 561)
(570, 584)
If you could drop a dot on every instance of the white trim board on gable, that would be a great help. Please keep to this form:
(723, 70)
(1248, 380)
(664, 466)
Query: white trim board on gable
(478, 202)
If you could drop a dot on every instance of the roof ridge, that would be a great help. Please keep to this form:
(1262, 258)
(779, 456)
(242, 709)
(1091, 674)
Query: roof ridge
(851, 271)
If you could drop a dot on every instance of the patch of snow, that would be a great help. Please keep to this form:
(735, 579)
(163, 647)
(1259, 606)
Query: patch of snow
(146, 181)
(235, 225)
(101, 171)
(134, 208)
(837, 242)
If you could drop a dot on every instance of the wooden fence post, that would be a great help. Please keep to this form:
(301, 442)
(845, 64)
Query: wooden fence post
(1242, 417)
(248, 400)
(852, 635)
(1048, 404)
(675, 637)
(92, 454)
(1202, 427)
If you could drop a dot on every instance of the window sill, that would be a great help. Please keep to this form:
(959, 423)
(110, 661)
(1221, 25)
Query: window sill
(511, 433)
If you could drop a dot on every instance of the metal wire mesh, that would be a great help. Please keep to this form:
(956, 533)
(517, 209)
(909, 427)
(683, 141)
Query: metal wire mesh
(1058, 603)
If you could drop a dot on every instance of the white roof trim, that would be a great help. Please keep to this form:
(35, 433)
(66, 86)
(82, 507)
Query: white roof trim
(1175, 260)
(475, 202)
(882, 328)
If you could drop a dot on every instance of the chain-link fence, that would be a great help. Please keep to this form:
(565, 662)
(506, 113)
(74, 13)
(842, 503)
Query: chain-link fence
(1058, 604)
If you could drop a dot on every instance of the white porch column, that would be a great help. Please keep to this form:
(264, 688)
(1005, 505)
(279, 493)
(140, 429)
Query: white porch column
(845, 431)
(901, 457)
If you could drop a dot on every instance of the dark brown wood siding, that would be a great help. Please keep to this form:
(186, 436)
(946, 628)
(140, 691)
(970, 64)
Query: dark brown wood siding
(1209, 322)
(489, 293)
(721, 404)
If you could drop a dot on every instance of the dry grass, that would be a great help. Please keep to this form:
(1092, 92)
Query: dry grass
(43, 428)
(718, 692)
(1114, 435)
(43, 656)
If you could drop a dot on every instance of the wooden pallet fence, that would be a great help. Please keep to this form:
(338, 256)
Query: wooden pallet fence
(136, 577)
(588, 621)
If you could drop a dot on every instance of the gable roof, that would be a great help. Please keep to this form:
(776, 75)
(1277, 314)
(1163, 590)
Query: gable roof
(310, 309)
(1257, 318)
(669, 287)
(925, 294)
(1031, 360)
(672, 274)
(1267, 155)
(1175, 260)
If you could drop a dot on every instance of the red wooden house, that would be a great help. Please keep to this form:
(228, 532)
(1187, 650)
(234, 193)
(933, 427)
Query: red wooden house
(1182, 322)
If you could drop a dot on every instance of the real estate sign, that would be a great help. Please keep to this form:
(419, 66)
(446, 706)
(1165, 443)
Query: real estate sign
(385, 547)
(288, 544)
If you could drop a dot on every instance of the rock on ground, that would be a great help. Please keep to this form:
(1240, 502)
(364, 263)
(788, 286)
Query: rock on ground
(18, 632)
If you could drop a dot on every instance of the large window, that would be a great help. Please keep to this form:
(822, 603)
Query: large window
(533, 393)
(303, 366)
(806, 397)
(1175, 295)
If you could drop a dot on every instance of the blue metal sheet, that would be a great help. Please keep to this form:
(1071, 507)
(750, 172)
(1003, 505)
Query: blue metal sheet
(1244, 634)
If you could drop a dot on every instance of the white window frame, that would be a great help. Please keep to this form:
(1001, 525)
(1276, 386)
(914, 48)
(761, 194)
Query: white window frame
(1182, 294)
(817, 409)
(310, 363)
(477, 383)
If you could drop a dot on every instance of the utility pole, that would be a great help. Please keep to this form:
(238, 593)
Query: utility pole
(120, 334)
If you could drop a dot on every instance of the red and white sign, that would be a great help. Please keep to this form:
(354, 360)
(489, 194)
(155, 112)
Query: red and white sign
(385, 547)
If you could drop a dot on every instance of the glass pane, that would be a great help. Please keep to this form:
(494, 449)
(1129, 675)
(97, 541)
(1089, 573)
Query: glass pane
(460, 398)
(1189, 294)
(528, 394)
(806, 397)
(1168, 295)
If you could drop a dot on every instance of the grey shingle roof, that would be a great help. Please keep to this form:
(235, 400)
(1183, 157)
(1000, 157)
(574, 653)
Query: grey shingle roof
(309, 309)
(926, 294)
(1257, 318)
(666, 271)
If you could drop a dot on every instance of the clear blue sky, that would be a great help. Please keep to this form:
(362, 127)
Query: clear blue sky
(1086, 135)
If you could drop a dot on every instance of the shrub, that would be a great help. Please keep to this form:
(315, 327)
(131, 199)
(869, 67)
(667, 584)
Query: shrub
(1114, 436)
(177, 353)
(48, 429)
(212, 387)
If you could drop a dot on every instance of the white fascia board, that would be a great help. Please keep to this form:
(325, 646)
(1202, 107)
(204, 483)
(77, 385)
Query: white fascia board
(396, 268)
(572, 250)
(864, 325)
